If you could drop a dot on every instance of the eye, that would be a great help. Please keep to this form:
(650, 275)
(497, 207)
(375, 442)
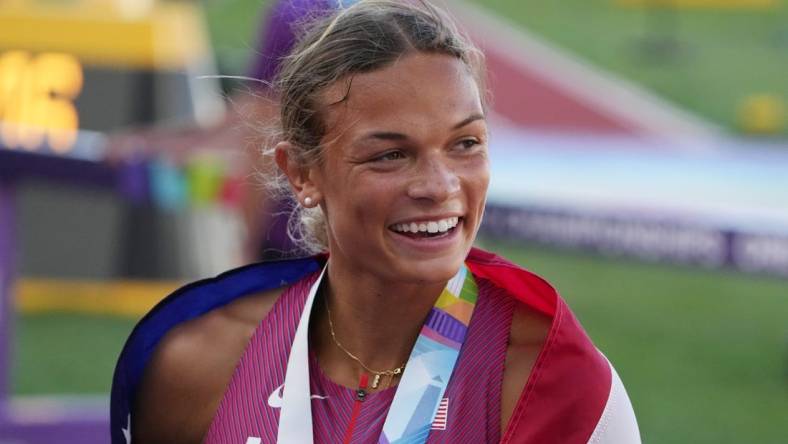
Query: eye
(468, 144)
(389, 156)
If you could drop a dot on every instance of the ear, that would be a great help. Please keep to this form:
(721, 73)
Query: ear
(301, 178)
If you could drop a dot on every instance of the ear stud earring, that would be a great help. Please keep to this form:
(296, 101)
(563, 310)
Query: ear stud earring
(307, 201)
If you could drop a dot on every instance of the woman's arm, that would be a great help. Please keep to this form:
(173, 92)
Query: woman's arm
(186, 378)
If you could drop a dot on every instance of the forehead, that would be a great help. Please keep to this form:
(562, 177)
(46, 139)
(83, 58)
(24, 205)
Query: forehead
(416, 93)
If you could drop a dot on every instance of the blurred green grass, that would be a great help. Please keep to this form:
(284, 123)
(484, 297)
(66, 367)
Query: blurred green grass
(702, 353)
(232, 26)
(723, 56)
(58, 353)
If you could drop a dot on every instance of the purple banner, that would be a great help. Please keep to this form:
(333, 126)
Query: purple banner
(648, 239)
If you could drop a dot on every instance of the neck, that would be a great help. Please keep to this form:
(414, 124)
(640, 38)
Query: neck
(376, 321)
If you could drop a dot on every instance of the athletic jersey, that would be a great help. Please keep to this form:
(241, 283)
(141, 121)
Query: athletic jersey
(470, 410)
(572, 396)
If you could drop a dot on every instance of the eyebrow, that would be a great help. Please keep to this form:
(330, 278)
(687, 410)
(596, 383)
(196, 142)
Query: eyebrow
(469, 119)
(388, 135)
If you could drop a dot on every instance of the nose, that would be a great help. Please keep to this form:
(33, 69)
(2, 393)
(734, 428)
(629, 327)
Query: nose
(434, 180)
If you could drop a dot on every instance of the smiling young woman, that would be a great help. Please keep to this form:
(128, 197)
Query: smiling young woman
(398, 331)
(406, 145)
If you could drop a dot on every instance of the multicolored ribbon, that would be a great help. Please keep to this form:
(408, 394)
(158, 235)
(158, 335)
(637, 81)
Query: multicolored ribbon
(423, 384)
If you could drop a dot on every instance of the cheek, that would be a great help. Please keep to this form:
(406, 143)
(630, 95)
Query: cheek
(477, 177)
(368, 203)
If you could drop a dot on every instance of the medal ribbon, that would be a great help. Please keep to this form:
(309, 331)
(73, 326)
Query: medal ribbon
(426, 376)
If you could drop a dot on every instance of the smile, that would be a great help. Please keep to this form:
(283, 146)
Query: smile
(433, 227)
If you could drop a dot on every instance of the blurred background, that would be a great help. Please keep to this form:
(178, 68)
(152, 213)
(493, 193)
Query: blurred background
(640, 164)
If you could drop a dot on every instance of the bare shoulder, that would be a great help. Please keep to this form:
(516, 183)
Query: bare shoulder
(526, 339)
(189, 371)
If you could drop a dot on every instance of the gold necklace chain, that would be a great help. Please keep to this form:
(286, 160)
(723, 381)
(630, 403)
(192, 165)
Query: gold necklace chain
(377, 374)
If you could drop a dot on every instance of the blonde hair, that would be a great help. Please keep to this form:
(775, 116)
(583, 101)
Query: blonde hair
(364, 37)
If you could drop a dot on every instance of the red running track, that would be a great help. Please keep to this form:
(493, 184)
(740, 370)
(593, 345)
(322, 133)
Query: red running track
(526, 99)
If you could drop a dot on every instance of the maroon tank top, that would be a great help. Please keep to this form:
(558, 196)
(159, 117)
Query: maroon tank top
(469, 412)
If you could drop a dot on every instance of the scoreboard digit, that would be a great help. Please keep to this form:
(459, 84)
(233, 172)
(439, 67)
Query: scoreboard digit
(37, 94)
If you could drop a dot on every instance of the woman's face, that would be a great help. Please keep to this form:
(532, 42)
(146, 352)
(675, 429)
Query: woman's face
(405, 169)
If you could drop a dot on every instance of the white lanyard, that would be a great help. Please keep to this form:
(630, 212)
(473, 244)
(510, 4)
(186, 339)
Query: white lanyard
(295, 417)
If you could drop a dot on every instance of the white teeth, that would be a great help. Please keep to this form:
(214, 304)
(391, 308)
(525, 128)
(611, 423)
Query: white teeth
(440, 226)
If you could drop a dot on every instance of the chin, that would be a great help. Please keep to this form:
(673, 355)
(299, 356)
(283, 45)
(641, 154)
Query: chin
(428, 270)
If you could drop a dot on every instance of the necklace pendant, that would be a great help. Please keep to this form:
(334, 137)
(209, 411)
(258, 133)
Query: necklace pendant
(376, 381)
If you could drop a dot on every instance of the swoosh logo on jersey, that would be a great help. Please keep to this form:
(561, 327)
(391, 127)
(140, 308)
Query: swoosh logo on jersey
(275, 398)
